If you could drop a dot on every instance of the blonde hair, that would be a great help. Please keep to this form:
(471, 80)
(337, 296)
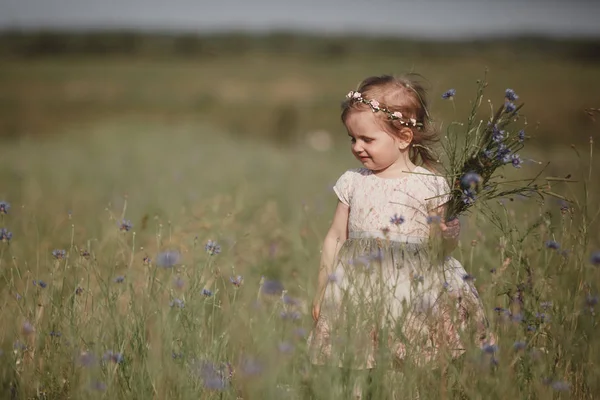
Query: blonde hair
(406, 95)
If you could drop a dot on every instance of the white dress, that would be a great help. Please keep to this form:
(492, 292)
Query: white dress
(388, 283)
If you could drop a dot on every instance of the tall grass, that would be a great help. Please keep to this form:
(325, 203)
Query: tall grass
(113, 320)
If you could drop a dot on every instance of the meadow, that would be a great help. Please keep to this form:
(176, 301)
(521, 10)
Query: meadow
(166, 217)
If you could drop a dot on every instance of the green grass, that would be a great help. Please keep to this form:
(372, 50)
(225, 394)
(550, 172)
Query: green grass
(269, 209)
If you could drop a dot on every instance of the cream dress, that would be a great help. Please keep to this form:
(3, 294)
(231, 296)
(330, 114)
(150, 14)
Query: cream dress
(389, 299)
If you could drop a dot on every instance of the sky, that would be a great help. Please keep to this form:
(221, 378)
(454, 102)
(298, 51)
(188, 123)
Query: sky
(416, 18)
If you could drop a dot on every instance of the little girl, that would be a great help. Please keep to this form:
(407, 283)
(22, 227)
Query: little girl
(386, 292)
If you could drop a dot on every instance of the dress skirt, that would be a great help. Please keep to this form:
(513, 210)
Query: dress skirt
(388, 301)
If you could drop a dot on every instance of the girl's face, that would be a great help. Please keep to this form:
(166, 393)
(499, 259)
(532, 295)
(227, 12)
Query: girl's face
(375, 148)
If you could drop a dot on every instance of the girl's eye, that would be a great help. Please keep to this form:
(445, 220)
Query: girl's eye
(367, 140)
(352, 140)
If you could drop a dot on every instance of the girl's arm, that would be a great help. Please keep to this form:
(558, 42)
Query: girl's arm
(336, 236)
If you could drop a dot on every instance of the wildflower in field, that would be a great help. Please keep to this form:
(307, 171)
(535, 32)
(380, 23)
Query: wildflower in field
(543, 317)
(213, 377)
(146, 260)
(55, 334)
(510, 95)
(4, 207)
(503, 153)
(516, 161)
(397, 220)
(497, 135)
(300, 332)
(117, 358)
(560, 386)
(119, 279)
(449, 94)
(207, 292)
(59, 254)
(85, 254)
(168, 259)
(18, 296)
(521, 135)
(5, 235)
(98, 386)
(519, 345)
(27, 328)
(19, 346)
(489, 348)
(87, 359)
(551, 244)
(271, 287)
(564, 207)
(79, 290)
(470, 180)
(125, 225)
(40, 283)
(212, 248)
(236, 280)
(595, 258)
(509, 107)
(290, 301)
(285, 347)
(591, 301)
(291, 315)
(177, 303)
(469, 197)
(468, 278)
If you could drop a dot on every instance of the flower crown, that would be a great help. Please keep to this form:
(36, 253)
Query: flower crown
(375, 106)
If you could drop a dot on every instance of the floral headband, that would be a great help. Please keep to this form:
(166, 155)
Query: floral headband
(375, 106)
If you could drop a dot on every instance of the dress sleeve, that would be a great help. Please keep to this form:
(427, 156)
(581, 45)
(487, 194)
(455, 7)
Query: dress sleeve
(440, 193)
(343, 187)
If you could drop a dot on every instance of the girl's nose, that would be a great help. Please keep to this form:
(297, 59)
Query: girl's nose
(356, 147)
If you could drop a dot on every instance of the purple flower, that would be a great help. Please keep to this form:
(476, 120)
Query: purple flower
(119, 279)
(271, 287)
(5, 235)
(498, 135)
(212, 248)
(285, 347)
(591, 301)
(468, 197)
(4, 207)
(551, 244)
(79, 290)
(521, 135)
(179, 283)
(206, 292)
(397, 220)
(560, 386)
(87, 359)
(449, 94)
(470, 179)
(27, 328)
(516, 160)
(291, 315)
(519, 345)
(490, 348)
(510, 95)
(168, 259)
(509, 107)
(595, 258)
(213, 378)
(177, 303)
(236, 280)
(125, 225)
(55, 334)
(40, 283)
(117, 358)
(58, 254)
(468, 277)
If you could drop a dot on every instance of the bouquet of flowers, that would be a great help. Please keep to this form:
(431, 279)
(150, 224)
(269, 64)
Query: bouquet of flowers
(473, 160)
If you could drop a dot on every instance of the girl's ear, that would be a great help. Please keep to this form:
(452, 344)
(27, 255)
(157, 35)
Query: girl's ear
(404, 138)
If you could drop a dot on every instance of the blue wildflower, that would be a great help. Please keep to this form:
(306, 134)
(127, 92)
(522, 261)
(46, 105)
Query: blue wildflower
(4, 207)
(490, 348)
(521, 135)
(27, 328)
(5, 235)
(449, 94)
(272, 287)
(595, 258)
(551, 244)
(503, 153)
(117, 358)
(509, 107)
(510, 95)
(469, 197)
(40, 283)
(168, 259)
(87, 359)
(498, 135)
(207, 292)
(290, 301)
(397, 220)
(177, 303)
(213, 378)
(58, 254)
(519, 345)
(119, 279)
(236, 280)
(125, 225)
(470, 180)
(468, 277)
(212, 248)
(290, 315)
(179, 283)
(516, 160)
(285, 347)
(560, 386)
(55, 334)
(79, 290)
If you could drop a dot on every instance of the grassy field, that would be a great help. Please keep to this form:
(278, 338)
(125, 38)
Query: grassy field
(195, 150)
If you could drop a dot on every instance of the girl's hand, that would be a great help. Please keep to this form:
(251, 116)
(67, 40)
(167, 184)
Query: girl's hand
(450, 229)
